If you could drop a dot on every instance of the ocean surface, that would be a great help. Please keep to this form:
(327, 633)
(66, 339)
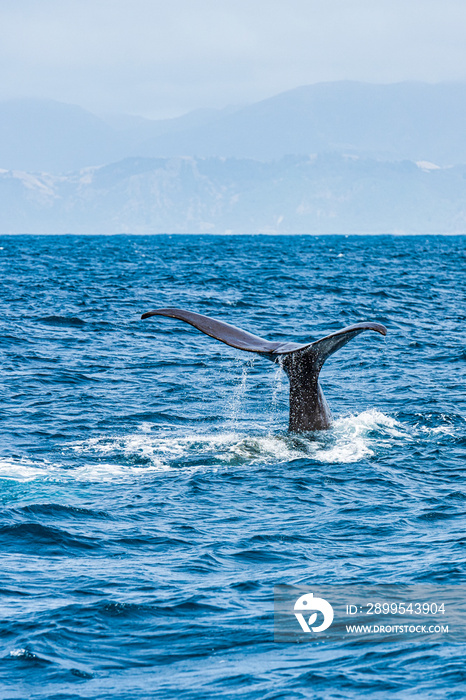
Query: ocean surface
(151, 497)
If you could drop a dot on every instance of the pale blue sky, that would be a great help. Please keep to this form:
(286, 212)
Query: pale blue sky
(162, 59)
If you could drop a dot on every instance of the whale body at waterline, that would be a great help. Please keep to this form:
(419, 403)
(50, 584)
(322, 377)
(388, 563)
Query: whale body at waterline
(302, 363)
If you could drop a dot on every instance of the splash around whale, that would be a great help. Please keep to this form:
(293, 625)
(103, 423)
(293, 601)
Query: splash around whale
(302, 363)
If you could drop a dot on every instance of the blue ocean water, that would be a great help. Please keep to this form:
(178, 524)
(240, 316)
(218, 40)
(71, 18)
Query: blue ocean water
(151, 497)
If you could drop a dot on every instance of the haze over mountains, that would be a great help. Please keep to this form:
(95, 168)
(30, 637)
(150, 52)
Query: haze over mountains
(249, 168)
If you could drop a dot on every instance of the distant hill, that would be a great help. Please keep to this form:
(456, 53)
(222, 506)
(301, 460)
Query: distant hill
(413, 121)
(43, 135)
(136, 130)
(328, 193)
(49, 136)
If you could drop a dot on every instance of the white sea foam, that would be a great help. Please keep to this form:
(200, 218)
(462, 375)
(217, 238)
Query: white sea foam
(26, 470)
(147, 451)
(355, 437)
(446, 429)
(22, 469)
(351, 438)
(442, 430)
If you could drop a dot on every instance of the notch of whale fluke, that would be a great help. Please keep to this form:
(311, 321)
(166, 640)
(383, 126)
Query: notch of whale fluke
(302, 362)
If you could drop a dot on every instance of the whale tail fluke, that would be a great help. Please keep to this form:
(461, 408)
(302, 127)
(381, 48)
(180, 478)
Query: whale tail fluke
(235, 337)
(323, 348)
(301, 362)
(243, 340)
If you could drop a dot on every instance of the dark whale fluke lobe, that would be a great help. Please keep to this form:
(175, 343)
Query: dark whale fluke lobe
(302, 363)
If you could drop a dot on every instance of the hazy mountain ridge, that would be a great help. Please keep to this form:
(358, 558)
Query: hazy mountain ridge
(322, 194)
(414, 121)
(243, 170)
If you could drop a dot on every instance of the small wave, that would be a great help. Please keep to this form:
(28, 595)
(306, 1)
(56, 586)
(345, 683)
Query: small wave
(18, 652)
(28, 537)
(25, 471)
(28, 655)
(356, 437)
(440, 429)
(62, 321)
(438, 425)
(56, 510)
(34, 659)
